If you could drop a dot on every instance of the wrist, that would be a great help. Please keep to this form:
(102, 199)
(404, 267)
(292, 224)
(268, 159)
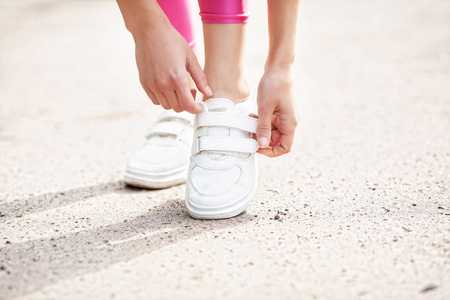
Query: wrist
(142, 16)
(147, 27)
(279, 75)
(279, 67)
(280, 56)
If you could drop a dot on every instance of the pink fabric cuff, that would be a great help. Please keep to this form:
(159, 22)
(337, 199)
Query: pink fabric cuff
(224, 11)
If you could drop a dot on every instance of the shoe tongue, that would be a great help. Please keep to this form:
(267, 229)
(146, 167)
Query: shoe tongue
(220, 105)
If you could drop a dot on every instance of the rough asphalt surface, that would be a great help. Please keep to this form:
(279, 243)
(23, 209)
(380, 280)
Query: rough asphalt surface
(359, 210)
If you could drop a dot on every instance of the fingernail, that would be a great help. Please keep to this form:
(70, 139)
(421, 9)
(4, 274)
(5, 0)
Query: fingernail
(263, 141)
(209, 91)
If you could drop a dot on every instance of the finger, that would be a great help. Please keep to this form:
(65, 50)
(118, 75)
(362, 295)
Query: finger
(271, 152)
(275, 133)
(197, 74)
(275, 138)
(186, 99)
(172, 98)
(264, 128)
(162, 100)
(151, 95)
(284, 147)
(187, 102)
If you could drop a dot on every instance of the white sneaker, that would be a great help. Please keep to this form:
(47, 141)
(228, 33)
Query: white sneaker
(222, 174)
(164, 159)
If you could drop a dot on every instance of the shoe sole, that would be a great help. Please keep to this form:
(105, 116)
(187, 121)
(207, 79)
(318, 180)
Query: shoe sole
(155, 181)
(222, 212)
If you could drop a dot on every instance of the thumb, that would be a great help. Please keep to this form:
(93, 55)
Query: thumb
(264, 129)
(197, 74)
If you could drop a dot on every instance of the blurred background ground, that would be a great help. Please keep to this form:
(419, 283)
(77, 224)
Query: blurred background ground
(362, 201)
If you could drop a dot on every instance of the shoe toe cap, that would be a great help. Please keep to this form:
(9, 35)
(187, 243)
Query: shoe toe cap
(214, 182)
(213, 189)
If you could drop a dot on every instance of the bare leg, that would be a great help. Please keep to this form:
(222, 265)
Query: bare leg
(224, 60)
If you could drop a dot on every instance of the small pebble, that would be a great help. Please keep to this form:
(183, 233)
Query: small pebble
(429, 288)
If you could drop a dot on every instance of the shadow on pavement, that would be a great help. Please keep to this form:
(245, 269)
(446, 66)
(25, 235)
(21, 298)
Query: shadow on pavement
(35, 264)
(22, 207)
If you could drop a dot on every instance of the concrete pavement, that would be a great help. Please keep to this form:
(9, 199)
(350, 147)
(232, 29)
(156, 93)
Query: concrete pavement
(359, 210)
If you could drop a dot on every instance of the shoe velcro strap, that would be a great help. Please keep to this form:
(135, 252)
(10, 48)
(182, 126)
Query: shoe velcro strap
(221, 143)
(166, 128)
(224, 119)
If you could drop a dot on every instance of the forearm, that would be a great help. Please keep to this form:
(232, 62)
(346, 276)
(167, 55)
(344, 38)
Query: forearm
(141, 16)
(283, 15)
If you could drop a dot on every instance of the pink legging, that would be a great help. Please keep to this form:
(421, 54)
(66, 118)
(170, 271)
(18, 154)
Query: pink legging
(181, 15)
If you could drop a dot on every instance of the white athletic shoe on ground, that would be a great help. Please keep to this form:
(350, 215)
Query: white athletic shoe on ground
(164, 159)
(222, 174)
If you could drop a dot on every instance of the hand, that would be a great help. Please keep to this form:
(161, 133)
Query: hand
(164, 60)
(276, 110)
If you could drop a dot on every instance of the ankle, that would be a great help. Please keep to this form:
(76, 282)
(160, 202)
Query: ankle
(234, 87)
(235, 95)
